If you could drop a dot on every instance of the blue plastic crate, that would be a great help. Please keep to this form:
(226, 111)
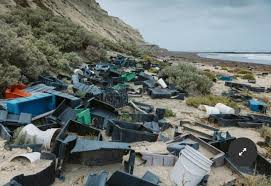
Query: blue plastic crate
(35, 105)
(257, 106)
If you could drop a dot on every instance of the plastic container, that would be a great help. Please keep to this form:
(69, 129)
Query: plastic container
(31, 134)
(224, 109)
(162, 83)
(209, 110)
(190, 168)
(35, 105)
(83, 116)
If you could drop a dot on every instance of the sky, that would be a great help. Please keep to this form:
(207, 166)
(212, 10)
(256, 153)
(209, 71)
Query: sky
(198, 25)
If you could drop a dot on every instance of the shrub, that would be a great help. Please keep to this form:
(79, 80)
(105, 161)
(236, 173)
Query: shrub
(248, 77)
(265, 131)
(239, 71)
(33, 41)
(210, 100)
(187, 77)
(254, 181)
(169, 113)
(224, 68)
(9, 74)
(210, 75)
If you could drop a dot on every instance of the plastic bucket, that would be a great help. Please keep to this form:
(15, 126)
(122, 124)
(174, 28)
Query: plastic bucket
(224, 109)
(190, 168)
(207, 162)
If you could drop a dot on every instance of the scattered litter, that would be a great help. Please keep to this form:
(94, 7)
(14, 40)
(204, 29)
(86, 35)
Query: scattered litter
(190, 168)
(35, 105)
(31, 157)
(31, 134)
(89, 152)
(257, 106)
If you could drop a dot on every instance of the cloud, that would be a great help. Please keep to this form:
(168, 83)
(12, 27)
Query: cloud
(199, 25)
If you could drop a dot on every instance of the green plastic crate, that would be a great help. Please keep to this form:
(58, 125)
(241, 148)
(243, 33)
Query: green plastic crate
(83, 116)
(120, 86)
(128, 76)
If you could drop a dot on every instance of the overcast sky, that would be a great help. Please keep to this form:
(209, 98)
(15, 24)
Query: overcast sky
(198, 25)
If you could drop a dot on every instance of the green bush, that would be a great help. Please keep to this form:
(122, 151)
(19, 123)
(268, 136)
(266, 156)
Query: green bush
(189, 78)
(169, 113)
(248, 77)
(210, 100)
(243, 72)
(33, 41)
(210, 75)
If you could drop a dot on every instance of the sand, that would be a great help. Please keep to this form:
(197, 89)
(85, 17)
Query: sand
(8, 169)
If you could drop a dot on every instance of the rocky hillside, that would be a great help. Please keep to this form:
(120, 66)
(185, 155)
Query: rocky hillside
(86, 13)
(55, 36)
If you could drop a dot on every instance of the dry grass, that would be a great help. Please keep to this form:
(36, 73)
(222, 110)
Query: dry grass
(254, 181)
(265, 131)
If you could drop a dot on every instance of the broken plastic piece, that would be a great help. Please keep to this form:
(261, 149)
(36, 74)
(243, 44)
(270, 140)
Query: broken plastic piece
(208, 150)
(44, 178)
(159, 159)
(129, 132)
(119, 178)
(150, 177)
(60, 96)
(152, 126)
(128, 76)
(33, 147)
(16, 92)
(83, 116)
(257, 106)
(129, 165)
(4, 134)
(89, 152)
(64, 141)
(63, 113)
(101, 113)
(39, 88)
(147, 108)
(97, 179)
(160, 93)
(52, 81)
(176, 148)
(15, 120)
(228, 119)
(31, 157)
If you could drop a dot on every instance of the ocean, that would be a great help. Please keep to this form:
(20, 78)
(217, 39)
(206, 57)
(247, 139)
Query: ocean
(248, 58)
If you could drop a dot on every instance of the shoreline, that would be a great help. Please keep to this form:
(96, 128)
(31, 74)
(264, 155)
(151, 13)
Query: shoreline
(194, 58)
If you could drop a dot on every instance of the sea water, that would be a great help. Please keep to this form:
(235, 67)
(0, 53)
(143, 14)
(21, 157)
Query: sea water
(248, 58)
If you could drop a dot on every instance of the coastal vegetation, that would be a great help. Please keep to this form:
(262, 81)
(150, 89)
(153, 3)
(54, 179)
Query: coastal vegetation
(210, 100)
(34, 41)
(187, 77)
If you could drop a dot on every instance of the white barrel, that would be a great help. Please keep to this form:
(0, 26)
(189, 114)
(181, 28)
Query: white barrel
(30, 134)
(209, 110)
(224, 109)
(190, 168)
(162, 83)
